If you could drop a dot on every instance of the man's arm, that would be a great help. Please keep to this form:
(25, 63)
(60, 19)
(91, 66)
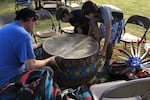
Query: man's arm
(107, 38)
(36, 64)
(94, 30)
(96, 34)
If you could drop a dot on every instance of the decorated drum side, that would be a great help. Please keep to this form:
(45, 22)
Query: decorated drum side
(38, 50)
(76, 58)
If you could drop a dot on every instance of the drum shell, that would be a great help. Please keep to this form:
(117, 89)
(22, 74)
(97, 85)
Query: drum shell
(74, 72)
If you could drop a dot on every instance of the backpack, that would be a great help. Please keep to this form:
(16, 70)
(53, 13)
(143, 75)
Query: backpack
(31, 85)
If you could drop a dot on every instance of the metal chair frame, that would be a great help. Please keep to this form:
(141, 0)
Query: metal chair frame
(138, 88)
(139, 20)
(22, 3)
(44, 14)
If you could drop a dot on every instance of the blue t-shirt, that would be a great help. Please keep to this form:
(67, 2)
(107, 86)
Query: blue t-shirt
(15, 48)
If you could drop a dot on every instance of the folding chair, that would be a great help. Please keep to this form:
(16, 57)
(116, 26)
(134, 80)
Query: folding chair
(51, 5)
(40, 36)
(7, 18)
(68, 29)
(138, 89)
(98, 89)
(74, 3)
(135, 29)
(22, 3)
(45, 33)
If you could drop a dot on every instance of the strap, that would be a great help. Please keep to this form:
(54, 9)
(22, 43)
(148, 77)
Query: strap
(25, 76)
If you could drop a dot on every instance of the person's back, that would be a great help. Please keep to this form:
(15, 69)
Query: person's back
(75, 18)
(109, 12)
(12, 36)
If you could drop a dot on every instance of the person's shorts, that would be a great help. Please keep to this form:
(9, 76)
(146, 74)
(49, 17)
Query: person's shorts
(116, 31)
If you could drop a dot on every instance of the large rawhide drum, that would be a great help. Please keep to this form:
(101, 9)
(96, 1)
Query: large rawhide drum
(45, 33)
(76, 58)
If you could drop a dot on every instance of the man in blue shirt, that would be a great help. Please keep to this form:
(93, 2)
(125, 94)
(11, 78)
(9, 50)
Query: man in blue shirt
(16, 46)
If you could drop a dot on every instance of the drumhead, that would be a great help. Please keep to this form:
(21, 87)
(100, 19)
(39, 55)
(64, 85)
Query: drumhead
(71, 46)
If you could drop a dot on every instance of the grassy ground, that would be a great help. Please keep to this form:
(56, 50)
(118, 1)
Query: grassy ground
(129, 8)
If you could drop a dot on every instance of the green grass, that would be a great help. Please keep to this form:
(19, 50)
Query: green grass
(129, 7)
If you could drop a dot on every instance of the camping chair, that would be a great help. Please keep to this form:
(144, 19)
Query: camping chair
(139, 24)
(138, 89)
(7, 18)
(22, 3)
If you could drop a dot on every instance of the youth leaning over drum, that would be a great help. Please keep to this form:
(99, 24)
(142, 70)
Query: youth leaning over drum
(112, 21)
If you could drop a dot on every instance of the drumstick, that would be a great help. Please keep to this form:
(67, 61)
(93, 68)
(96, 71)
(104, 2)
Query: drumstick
(146, 69)
(145, 54)
(132, 49)
(145, 60)
(124, 58)
(148, 62)
(139, 48)
(136, 51)
(124, 51)
(125, 48)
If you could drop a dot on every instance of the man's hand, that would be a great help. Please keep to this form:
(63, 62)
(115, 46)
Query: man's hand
(52, 60)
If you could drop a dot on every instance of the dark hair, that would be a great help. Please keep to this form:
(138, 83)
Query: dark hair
(25, 14)
(60, 12)
(89, 7)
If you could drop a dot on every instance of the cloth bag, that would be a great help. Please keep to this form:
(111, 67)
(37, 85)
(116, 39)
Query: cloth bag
(31, 85)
